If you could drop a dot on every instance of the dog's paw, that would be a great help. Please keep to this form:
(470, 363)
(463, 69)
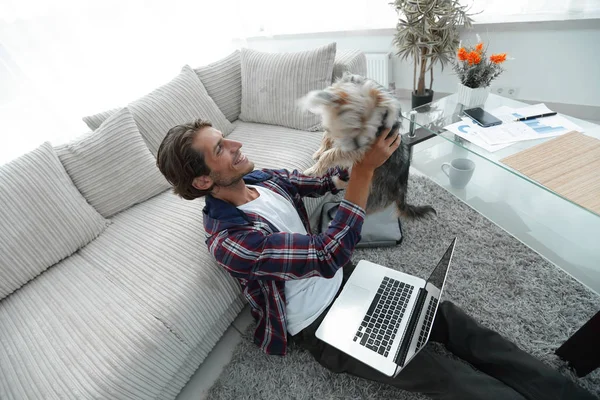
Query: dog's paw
(312, 171)
(317, 155)
(339, 184)
(316, 170)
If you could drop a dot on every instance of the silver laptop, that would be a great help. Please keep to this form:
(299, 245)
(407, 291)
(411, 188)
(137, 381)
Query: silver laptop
(384, 317)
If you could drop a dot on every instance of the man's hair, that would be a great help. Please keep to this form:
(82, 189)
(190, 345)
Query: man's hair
(180, 163)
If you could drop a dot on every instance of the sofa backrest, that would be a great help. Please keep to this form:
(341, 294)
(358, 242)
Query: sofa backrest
(179, 101)
(43, 218)
(223, 78)
(353, 61)
(223, 82)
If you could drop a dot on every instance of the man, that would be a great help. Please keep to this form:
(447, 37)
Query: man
(257, 229)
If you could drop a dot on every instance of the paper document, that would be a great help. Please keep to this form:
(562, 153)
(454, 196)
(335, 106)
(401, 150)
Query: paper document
(530, 111)
(498, 137)
(528, 130)
(510, 131)
(468, 130)
(509, 114)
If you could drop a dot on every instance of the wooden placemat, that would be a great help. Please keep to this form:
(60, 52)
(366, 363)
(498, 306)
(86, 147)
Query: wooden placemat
(568, 165)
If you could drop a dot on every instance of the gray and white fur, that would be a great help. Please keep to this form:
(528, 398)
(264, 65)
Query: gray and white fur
(354, 111)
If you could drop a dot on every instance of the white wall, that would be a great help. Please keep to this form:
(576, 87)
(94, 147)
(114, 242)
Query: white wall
(554, 61)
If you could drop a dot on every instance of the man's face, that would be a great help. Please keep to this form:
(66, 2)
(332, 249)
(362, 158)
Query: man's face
(223, 156)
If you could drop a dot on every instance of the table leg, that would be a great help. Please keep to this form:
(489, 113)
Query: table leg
(416, 135)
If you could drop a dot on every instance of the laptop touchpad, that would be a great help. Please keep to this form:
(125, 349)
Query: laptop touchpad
(351, 306)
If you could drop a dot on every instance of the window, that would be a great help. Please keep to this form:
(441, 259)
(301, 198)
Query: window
(64, 59)
(276, 17)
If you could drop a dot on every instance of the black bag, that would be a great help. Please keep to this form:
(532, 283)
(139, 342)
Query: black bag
(381, 229)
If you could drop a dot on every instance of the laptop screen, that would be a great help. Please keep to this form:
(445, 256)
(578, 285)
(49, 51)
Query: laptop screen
(439, 273)
(428, 307)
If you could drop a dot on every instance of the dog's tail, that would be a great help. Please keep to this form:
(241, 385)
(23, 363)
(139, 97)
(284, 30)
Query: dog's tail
(416, 212)
(413, 212)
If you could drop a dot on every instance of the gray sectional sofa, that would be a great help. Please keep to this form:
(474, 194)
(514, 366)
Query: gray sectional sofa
(107, 289)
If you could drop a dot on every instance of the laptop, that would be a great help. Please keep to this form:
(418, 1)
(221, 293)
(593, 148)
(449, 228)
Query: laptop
(384, 317)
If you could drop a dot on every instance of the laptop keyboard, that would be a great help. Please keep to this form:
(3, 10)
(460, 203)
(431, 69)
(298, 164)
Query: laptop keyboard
(427, 322)
(380, 324)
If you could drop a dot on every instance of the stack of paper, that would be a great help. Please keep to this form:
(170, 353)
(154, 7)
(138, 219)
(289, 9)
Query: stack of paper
(500, 136)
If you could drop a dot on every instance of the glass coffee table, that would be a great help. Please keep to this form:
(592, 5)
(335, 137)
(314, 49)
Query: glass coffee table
(560, 230)
(565, 233)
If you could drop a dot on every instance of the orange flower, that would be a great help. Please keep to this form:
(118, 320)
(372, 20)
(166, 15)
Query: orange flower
(462, 54)
(473, 57)
(479, 47)
(498, 58)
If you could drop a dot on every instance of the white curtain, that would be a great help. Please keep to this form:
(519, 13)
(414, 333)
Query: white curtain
(63, 59)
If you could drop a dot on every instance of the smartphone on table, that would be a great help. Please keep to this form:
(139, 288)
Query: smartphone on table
(482, 117)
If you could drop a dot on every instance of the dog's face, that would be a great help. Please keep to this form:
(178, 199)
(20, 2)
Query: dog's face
(353, 108)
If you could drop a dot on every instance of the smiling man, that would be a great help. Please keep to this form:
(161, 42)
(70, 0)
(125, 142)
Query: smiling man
(257, 225)
(257, 230)
(186, 152)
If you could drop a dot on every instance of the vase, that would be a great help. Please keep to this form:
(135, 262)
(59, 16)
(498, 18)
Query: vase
(418, 101)
(472, 97)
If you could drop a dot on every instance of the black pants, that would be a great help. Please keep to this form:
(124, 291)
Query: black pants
(503, 370)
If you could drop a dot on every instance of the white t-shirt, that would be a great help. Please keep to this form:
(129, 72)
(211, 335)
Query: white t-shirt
(305, 298)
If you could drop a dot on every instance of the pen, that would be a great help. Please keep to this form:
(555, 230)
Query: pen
(536, 116)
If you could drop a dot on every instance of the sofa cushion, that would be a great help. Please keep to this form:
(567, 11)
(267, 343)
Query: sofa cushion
(155, 251)
(72, 333)
(112, 167)
(353, 61)
(270, 146)
(181, 100)
(223, 82)
(94, 121)
(272, 84)
(43, 218)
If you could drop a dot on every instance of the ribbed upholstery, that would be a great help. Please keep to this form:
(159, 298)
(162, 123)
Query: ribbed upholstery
(223, 82)
(43, 218)
(94, 121)
(272, 84)
(197, 355)
(112, 167)
(155, 251)
(72, 333)
(353, 61)
(181, 100)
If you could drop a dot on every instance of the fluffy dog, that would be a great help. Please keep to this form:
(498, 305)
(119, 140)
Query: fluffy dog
(354, 111)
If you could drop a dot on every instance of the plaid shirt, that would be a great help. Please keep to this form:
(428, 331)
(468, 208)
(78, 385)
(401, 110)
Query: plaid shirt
(252, 250)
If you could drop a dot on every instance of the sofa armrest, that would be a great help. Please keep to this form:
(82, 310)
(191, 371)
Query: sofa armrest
(353, 61)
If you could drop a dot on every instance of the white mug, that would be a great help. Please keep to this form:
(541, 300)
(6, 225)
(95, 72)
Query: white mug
(460, 171)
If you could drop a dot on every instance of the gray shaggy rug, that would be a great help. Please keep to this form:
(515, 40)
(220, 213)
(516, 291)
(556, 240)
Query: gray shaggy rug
(494, 277)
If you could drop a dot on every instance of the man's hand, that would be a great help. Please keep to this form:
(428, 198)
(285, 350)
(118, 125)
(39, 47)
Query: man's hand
(362, 172)
(380, 151)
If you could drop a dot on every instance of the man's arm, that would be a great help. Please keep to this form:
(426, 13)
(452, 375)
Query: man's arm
(253, 254)
(313, 186)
